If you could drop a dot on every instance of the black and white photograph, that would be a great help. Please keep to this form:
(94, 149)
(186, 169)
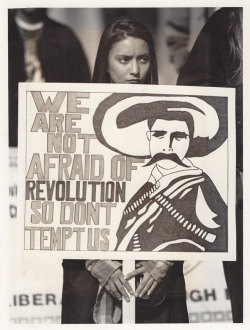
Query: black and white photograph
(124, 131)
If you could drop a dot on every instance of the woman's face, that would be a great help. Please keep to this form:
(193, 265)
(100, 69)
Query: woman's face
(129, 61)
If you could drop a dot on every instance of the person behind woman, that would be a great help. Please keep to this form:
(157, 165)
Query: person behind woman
(216, 60)
(126, 55)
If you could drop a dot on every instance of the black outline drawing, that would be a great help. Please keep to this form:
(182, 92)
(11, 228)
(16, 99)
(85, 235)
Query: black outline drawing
(179, 209)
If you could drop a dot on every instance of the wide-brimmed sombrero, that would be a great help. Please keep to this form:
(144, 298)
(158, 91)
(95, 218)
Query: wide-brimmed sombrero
(120, 121)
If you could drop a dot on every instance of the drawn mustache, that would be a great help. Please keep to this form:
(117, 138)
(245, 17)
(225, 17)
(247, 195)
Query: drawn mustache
(157, 157)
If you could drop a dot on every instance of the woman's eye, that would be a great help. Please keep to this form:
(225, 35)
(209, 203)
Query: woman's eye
(144, 60)
(124, 60)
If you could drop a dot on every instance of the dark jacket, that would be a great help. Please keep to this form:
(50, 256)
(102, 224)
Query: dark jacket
(209, 64)
(61, 57)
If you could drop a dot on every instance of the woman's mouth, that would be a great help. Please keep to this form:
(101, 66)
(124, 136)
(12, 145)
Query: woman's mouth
(134, 81)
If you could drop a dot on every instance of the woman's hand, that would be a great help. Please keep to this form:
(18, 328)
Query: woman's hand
(150, 279)
(118, 286)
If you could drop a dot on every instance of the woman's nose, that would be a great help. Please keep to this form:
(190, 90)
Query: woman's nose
(135, 70)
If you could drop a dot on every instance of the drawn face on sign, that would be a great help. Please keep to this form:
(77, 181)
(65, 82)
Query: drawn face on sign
(129, 61)
(168, 142)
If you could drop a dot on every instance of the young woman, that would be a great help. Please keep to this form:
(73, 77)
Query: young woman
(126, 55)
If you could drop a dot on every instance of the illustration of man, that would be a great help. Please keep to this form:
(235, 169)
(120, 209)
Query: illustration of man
(179, 208)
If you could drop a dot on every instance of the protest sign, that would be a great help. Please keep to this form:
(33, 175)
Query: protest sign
(94, 177)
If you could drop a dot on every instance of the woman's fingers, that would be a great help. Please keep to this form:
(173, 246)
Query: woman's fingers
(117, 286)
(121, 289)
(147, 287)
(154, 285)
(135, 272)
(113, 290)
(126, 284)
(144, 285)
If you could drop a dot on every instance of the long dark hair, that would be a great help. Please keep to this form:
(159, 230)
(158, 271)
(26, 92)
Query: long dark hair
(117, 30)
(234, 61)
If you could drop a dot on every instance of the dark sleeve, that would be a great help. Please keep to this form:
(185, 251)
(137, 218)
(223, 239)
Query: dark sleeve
(77, 69)
(16, 74)
(61, 54)
(205, 65)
